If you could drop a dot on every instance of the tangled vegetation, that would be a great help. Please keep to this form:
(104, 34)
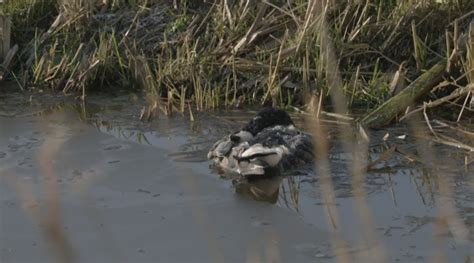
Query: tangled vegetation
(228, 52)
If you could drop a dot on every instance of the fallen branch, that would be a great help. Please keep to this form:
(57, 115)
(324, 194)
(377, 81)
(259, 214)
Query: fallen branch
(388, 111)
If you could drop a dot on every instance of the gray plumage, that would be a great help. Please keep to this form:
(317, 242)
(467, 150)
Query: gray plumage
(271, 145)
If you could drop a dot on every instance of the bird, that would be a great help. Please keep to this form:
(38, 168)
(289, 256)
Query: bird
(269, 142)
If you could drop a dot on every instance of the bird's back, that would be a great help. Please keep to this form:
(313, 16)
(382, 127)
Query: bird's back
(298, 143)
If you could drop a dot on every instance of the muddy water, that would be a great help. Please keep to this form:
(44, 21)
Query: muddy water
(91, 183)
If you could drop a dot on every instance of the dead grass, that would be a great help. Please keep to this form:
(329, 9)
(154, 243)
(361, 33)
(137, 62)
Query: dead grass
(223, 53)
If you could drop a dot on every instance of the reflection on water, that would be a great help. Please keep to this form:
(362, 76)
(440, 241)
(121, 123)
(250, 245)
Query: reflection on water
(403, 190)
(264, 189)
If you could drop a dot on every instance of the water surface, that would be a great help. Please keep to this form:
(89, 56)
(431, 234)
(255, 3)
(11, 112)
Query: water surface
(120, 189)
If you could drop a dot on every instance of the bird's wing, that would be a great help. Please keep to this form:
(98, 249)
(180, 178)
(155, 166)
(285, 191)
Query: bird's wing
(300, 149)
(257, 150)
(220, 148)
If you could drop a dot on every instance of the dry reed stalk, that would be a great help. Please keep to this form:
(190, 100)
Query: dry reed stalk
(294, 191)
(339, 101)
(271, 85)
(461, 130)
(447, 210)
(357, 163)
(295, 194)
(237, 39)
(358, 171)
(54, 230)
(443, 139)
(321, 150)
(459, 92)
(469, 62)
(201, 217)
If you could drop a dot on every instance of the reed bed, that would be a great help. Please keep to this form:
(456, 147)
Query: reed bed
(228, 53)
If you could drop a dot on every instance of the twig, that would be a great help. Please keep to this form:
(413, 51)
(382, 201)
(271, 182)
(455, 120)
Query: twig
(463, 106)
(452, 142)
(428, 121)
(455, 94)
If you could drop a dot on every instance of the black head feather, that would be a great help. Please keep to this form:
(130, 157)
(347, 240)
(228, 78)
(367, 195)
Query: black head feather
(267, 117)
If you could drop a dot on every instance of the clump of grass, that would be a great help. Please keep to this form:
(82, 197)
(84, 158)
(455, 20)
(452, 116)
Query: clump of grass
(228, 53)
(29, 17)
